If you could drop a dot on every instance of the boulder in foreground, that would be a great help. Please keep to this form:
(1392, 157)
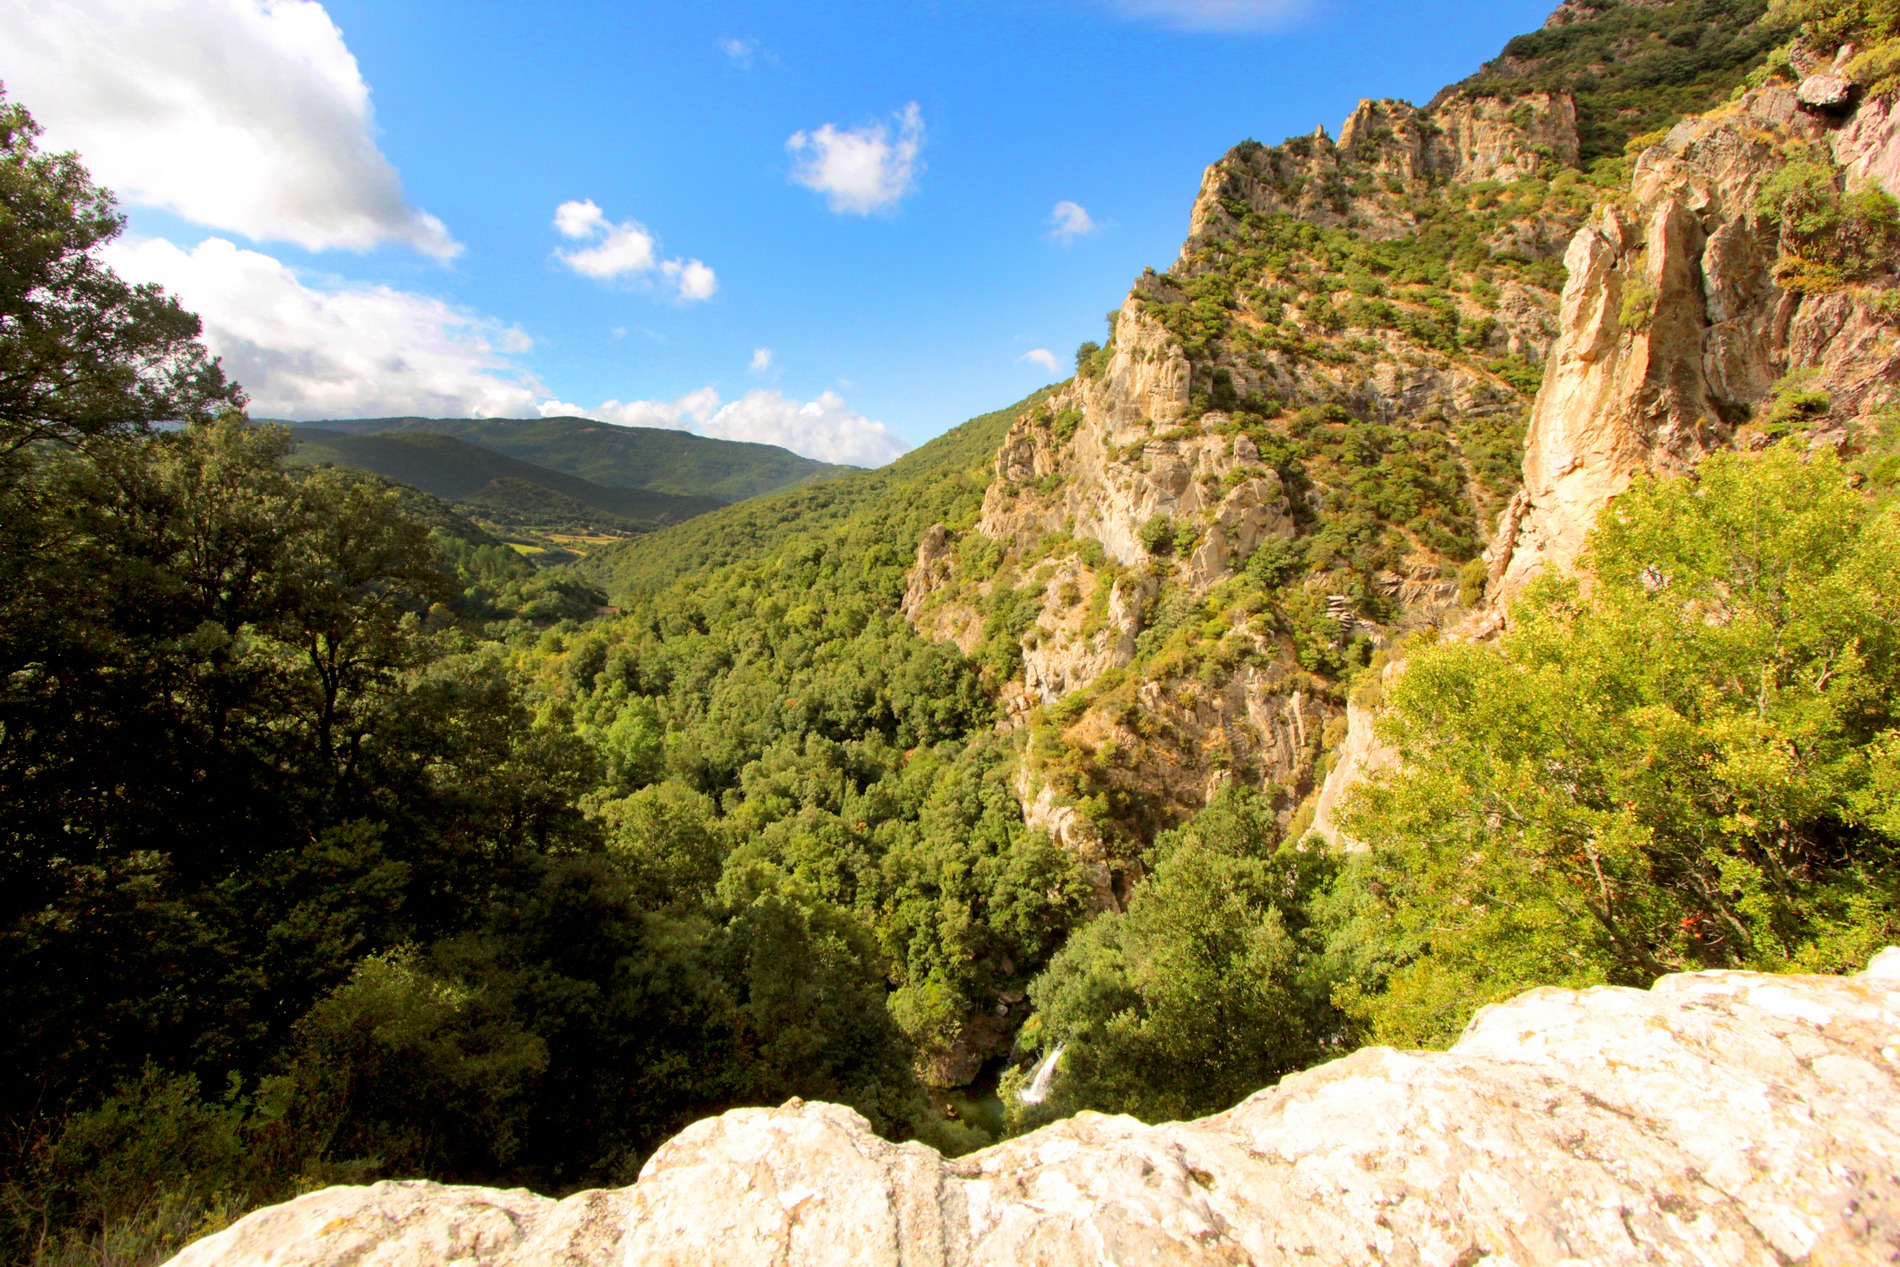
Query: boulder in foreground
(1720, 1117)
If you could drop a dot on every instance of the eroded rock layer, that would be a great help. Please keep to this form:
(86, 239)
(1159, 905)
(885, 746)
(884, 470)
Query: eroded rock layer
(1720, 1117)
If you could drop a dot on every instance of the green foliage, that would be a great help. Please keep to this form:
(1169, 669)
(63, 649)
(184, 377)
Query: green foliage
(1211, 985)
(801, 527)
(1873, 26)
(1830, 23)
(1276, 561)
(1085, 359)
(1472, 578)
(268, 811)
(132, 1180)
(83, 354)
(1688, 765)
(1639, 299)
(766, 706)
(1828, 239)
(1164, 535)
(1795, 403)
(1636, 67)
(1379, 485)
(1492, 446)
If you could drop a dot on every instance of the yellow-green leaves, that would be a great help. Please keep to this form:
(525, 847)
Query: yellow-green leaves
(1686, 760)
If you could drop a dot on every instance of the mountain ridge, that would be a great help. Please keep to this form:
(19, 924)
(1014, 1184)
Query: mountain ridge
(655, 459)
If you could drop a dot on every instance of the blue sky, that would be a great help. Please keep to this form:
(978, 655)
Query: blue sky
(281, 161)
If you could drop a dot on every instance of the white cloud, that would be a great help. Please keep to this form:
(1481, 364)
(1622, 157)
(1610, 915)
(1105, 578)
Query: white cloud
(1043, 357)
(617, 248)
(336, 351)
(580, 219)
(861, 170)
(688, 413)
(825, 428)
(695, 280)
(739, 52)
(761, 360)
(1232, 16)
(1070, 220)
(624, 249)
(249, 116)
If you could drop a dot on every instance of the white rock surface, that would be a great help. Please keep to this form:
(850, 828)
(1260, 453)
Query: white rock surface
(1722, 1117)
(1825, 92)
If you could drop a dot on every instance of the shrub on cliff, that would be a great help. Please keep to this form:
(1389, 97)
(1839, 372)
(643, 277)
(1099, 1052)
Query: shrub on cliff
(1690, 761)
(1829, 238)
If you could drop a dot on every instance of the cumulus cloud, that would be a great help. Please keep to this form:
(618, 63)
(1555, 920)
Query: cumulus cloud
(861, 170)
(624, 249)
(825, 428)
(1070, 220)
(689, 413)
(761, 360)
(1043, 357)
(249, 116)
(307, 350)
(694, 280)
(1233, 16)
(739, 52)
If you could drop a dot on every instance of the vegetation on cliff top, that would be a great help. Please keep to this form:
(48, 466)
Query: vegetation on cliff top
(1634, 67)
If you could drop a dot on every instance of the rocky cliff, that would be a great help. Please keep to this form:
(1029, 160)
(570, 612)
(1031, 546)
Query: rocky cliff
(1388, 381)
(1720, 1117)
(1679, 323)
(1292, 443)
(1691, 321)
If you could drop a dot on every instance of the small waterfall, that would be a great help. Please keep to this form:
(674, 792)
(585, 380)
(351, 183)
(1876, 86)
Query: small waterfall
(1038, 1089)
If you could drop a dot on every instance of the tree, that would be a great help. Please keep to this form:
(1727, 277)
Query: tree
(82, 353)
(1208, 988)
(1686, 763)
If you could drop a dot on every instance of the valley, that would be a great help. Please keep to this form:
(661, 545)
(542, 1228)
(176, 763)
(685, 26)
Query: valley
(1469, 567)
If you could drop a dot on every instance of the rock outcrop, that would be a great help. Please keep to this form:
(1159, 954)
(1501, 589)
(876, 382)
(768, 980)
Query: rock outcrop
(1138, 488)
(1718, 1118)
(1675, 333)
(1676, 330)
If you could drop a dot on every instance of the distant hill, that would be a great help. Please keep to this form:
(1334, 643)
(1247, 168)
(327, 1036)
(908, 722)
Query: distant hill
(496, 488)
(894, 503)
(649, 458)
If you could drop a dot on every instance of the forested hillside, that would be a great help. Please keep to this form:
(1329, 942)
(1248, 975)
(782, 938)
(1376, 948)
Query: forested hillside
(340, 841)
(501, 490)
(648, 458)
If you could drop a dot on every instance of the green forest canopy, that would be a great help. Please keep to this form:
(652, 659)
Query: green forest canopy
(339, 842)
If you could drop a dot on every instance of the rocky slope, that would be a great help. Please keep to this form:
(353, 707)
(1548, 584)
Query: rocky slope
(1290, 446)
(1720, 1117)
(1677, 327)
(1691, 321)
(1300, 439)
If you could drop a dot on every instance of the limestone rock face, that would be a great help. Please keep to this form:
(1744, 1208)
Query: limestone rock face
(1867, 145)
(1360, 755)
(1825, 92)
(1461, 139)
(1674, 329)
(1135, 488)
(936, 559)
(1718, 1118)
